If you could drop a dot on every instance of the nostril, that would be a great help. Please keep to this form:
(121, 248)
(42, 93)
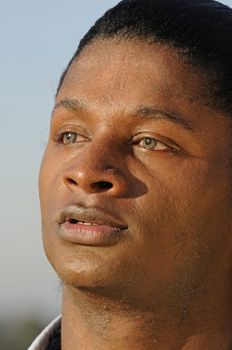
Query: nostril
(73, 221)
(101, 186)
(71, 182)
(87, 184)
(105, 184)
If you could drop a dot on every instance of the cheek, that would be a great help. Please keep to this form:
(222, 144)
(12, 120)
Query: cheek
(205, 189)
(203, 206)
(48, 178)
(194, 185)
(176, 215)
(44, 174)
(48, 202)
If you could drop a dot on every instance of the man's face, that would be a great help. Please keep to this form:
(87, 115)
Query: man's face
(135, 148)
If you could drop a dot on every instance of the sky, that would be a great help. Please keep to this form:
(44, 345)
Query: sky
(37, 39)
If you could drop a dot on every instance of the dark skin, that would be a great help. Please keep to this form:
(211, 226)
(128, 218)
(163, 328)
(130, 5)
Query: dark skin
(137, 117)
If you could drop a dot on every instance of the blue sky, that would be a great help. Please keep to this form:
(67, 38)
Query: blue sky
(37, 39)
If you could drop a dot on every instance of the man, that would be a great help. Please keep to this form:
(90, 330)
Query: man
(136, 182)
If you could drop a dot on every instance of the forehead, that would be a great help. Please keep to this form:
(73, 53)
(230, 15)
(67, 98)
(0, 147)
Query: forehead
(135, 67)
(119, 73)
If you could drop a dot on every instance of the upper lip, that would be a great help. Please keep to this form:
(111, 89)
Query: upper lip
(89, 215)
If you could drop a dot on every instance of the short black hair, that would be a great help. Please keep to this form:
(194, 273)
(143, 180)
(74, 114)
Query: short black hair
(202, 29)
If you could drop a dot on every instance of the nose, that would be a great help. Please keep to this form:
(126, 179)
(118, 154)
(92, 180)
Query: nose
(96, 170)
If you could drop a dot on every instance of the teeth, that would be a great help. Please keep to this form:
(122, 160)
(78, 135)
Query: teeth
(86, 223)
(76, 222)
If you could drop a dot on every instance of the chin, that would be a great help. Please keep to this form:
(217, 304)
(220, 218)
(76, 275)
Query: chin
(82, 268)
(110, 272)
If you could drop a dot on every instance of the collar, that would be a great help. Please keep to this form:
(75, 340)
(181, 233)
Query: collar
(42, 341)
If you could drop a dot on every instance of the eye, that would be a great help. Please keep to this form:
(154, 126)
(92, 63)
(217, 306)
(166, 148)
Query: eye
(68, 137)
(150, 143)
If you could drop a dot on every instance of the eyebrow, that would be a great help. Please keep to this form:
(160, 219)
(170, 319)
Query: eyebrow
(147, 112)
(72, 105)
(160, 113)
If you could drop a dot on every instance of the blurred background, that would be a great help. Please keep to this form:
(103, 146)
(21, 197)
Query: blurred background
(37, 39)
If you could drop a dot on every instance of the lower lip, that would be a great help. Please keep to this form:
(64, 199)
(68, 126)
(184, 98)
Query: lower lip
(91, 235)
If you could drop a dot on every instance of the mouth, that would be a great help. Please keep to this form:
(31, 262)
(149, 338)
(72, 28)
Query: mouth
(90, 227)
(74, 221)
(89, 217)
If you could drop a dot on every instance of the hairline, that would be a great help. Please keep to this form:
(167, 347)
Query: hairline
(125, 36)
(184, 53)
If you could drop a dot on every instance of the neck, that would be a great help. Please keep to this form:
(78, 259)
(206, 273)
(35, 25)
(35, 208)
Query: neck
(93, 322)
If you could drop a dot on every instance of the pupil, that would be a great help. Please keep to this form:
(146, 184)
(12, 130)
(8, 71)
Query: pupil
(149, 141)
(69, 137)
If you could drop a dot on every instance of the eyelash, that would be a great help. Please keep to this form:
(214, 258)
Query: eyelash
(162, 145)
